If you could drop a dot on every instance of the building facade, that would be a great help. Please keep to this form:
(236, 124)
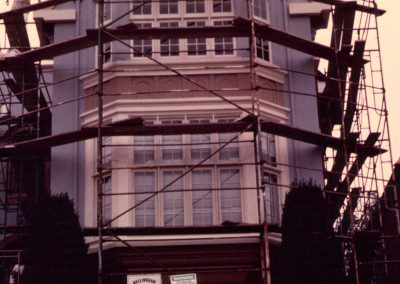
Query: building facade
(223, 188)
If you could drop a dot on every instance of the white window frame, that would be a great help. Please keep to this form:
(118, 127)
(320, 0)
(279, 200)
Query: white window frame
(196, 41)
(214, 197)
(168, 4)
(257, 5)
(221, 2)
(194, 3)
(220, 192)
(262, 50)
(215, 55)
(273, 216)
(140, 25)
(183, 192)
(179, 55)
(141, 14)
(133, 197)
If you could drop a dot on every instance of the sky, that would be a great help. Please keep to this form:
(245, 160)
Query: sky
(389, 29)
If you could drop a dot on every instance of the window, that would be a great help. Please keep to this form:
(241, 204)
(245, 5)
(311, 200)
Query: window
(222, 6)
(260, 9)
(142, 7)
(231, 200)
(173, 199)
(174, 152)
(195, 6)
(107, 158)
(202, 201)
(200, 152)
(169, 47)
(268, 148)
(231, 151)
(262, 49)
(107, 11)
(271, 197)
(107, 200)
(145, 46)
(143, 154)
(196, 46)
(145, 184)
(107, 52)
(223, 45)
(169, 7)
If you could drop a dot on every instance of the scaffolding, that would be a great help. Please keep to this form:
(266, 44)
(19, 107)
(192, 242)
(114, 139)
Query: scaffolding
(355, 141)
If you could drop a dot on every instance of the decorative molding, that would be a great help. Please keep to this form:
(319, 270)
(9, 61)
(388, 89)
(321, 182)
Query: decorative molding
(195, 66)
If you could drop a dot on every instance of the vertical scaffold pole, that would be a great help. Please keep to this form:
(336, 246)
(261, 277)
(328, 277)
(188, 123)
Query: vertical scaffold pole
(258, 160)
(100, 61)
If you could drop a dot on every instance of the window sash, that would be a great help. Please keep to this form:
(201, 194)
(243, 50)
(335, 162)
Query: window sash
(222, 6)
(140, 7)
(169, 7)
(231, 200)
(144, 213)
(223, 45)
(271, 198)
(145, 46)
(107, 202)
(173, 202)
(195, 6)
(202, 201)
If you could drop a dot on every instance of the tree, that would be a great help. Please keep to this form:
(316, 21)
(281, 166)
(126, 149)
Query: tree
(55, 249)
(310, 253)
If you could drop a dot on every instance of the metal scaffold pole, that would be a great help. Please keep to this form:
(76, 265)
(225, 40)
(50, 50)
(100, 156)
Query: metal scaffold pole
(100, 62)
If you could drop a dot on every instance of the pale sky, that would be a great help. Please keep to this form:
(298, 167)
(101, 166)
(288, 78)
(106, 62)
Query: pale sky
(389, 29)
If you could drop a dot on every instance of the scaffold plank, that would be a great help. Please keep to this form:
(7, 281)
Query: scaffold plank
(337, 200)
(33, 7)
(355, 75)
(339, 163)
(158, 231)
(147, 130)
(358, 7)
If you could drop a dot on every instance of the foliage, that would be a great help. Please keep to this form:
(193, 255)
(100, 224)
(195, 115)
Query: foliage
(310, 253)
(55, 250)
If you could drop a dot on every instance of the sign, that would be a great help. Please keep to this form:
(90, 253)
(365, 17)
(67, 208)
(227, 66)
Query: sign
(144, 279)
(184, 279)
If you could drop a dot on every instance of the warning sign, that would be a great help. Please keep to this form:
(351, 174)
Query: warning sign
(184, 279)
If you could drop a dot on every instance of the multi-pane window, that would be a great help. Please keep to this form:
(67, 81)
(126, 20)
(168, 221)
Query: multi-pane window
(222, 6)
(142, 47)
(231, 151)
(106, 151)
(200, 148)
(169, 7)
(144, 184)
(172, 151)
(195, 6)
(271, 197)
(173, 199)
(223, 45)
(260, 9)
(268, 148)
(202, 200)
(107, 200)
(144, 150)
(169, 47)
(262, 49)
(141, 7)
(231, 200)
(196, 46)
